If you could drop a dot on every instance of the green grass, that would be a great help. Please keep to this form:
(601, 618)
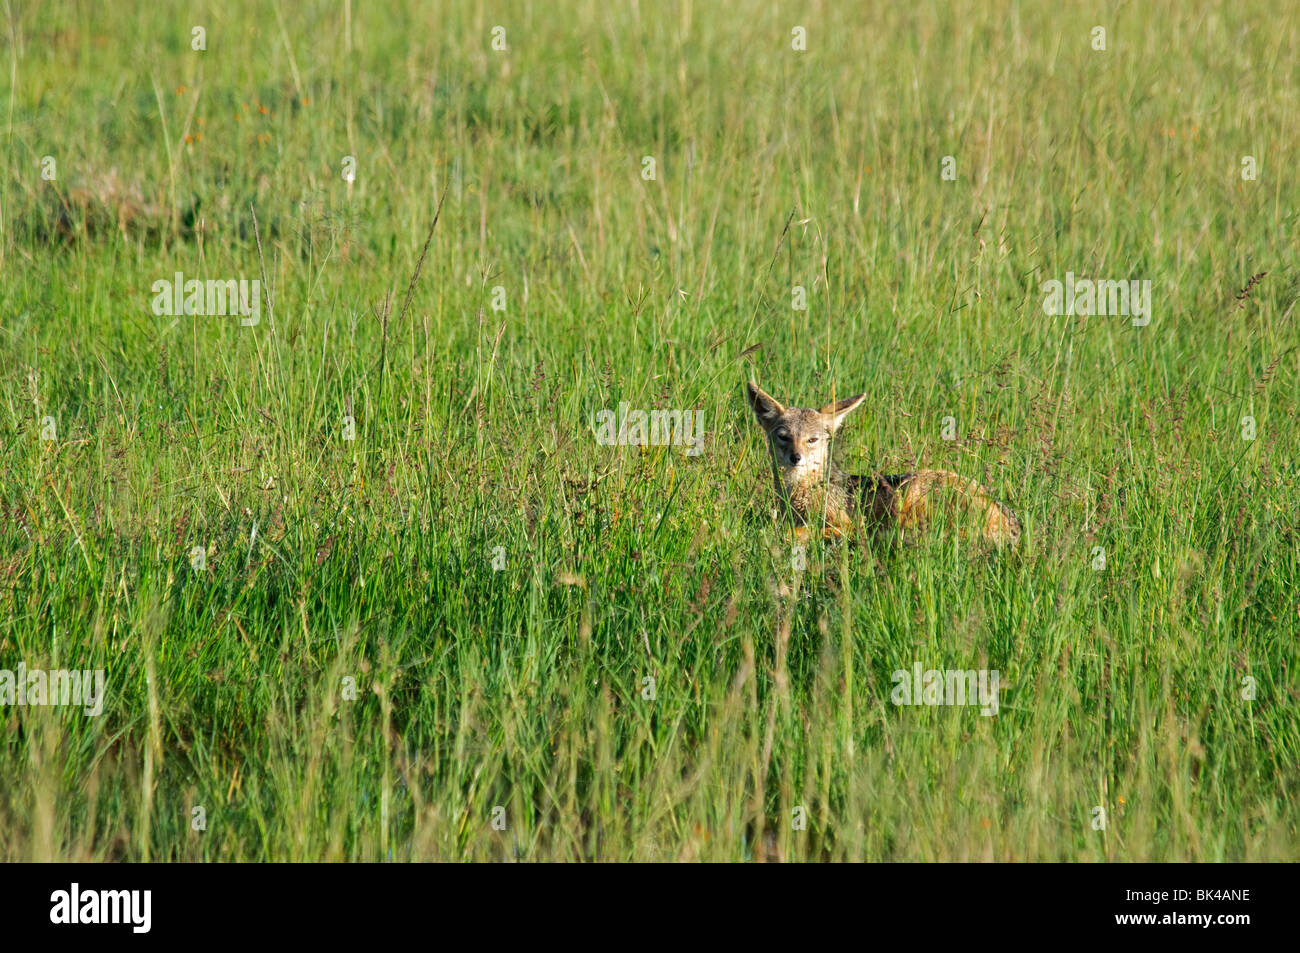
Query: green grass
(372, 559)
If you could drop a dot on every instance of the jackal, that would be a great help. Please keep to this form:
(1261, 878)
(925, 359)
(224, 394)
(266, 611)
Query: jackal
(817, 493)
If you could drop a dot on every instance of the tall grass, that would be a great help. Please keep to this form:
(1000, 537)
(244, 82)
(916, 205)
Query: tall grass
(611, 644)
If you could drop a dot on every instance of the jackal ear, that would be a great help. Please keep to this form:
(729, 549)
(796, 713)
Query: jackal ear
(766, 408)
(836, 412)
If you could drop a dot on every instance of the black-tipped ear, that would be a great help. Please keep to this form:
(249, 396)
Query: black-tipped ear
(836, 412)
(766, 407)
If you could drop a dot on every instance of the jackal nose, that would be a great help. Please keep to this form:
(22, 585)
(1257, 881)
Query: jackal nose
(795, 458)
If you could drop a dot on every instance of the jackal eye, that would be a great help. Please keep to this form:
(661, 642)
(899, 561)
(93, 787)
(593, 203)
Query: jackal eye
(783, 435)
(812, 440)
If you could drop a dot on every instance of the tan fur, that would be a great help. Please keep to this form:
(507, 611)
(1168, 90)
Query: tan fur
(817, 493)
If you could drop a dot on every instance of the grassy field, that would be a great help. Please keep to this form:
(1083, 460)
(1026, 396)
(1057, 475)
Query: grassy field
(365, 585)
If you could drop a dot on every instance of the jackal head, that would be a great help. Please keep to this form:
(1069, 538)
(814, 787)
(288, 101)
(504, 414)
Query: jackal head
(799, 439)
